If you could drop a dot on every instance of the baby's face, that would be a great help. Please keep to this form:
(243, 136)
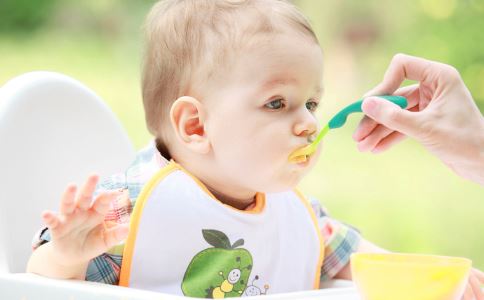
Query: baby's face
(262, 110)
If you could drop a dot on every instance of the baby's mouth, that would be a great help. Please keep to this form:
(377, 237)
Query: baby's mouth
(300, 155)
(300, 159)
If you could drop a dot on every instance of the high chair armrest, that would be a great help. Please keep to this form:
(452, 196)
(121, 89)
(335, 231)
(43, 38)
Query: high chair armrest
(31, 286)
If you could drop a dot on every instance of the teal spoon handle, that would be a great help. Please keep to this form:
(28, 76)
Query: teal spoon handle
(340, 118)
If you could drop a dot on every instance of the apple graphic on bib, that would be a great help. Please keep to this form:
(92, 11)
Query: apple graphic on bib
(218, 272)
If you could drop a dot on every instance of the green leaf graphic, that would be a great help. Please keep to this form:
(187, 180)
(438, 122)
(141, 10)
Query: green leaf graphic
(216, 238)
(238, 243)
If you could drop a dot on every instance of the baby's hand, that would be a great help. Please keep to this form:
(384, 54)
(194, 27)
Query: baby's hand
(78, 232)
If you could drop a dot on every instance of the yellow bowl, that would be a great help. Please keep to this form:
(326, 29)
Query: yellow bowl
(394, 276)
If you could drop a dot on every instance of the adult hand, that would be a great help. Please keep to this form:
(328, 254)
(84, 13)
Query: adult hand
(474, 290)
(441, 115)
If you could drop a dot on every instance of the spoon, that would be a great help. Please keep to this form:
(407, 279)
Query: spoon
(301, 154)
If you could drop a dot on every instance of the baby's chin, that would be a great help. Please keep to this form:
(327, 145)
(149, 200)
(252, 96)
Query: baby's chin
(286, 180)
(283, 186)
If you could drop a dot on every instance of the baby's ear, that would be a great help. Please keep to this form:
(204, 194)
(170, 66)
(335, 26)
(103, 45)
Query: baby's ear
(187, 119)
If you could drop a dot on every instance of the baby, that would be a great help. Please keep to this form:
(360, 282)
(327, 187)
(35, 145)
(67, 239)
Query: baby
(211, 208)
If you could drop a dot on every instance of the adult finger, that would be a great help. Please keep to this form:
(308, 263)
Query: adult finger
(411, 93)
(468, 294)
(365, 127)
(479, 275)
(367, 124)
(392, 139)
(378, 134)
(85, 194)
(392, 116)
(402, 67)
(476, 287)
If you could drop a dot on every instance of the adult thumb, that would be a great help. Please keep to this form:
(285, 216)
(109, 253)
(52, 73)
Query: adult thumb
(391, 115)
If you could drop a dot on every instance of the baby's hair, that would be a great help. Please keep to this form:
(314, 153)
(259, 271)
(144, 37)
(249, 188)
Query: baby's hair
(189, 41)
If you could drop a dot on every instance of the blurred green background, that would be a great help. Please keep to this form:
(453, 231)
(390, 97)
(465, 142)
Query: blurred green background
(404, 200)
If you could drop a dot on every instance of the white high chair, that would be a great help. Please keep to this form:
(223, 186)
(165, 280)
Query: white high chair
(54, 130)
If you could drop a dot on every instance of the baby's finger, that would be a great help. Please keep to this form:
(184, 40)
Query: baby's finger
(392, 139)
(68, 203)
(50, 219)
(57, 224)
(115, 235)
(101, 203)
(85, 194)
(374, 138)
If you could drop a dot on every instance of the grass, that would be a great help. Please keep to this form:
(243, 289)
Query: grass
(404, 200)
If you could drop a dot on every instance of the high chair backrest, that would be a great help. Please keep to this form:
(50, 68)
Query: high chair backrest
(53, 131)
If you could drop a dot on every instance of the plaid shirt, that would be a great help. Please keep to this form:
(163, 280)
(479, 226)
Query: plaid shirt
(340, 240)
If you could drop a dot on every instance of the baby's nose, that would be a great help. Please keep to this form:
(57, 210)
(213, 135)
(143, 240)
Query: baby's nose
(305, 128)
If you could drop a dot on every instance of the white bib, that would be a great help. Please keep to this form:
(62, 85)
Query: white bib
(183, 241)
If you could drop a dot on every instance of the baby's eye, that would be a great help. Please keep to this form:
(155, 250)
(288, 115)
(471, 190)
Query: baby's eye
(312, 105)
(275, 104)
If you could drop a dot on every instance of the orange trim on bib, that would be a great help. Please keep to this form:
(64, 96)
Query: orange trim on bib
(260, 198)
(140, 203)
(317, 280)
(136, 218)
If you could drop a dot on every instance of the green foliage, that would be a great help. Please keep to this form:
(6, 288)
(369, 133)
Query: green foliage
(371, 32)
(451, 32)
(404, 200)
(24, 15)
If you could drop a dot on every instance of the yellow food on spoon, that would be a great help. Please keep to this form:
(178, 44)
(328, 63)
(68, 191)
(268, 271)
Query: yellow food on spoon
(301, 154)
